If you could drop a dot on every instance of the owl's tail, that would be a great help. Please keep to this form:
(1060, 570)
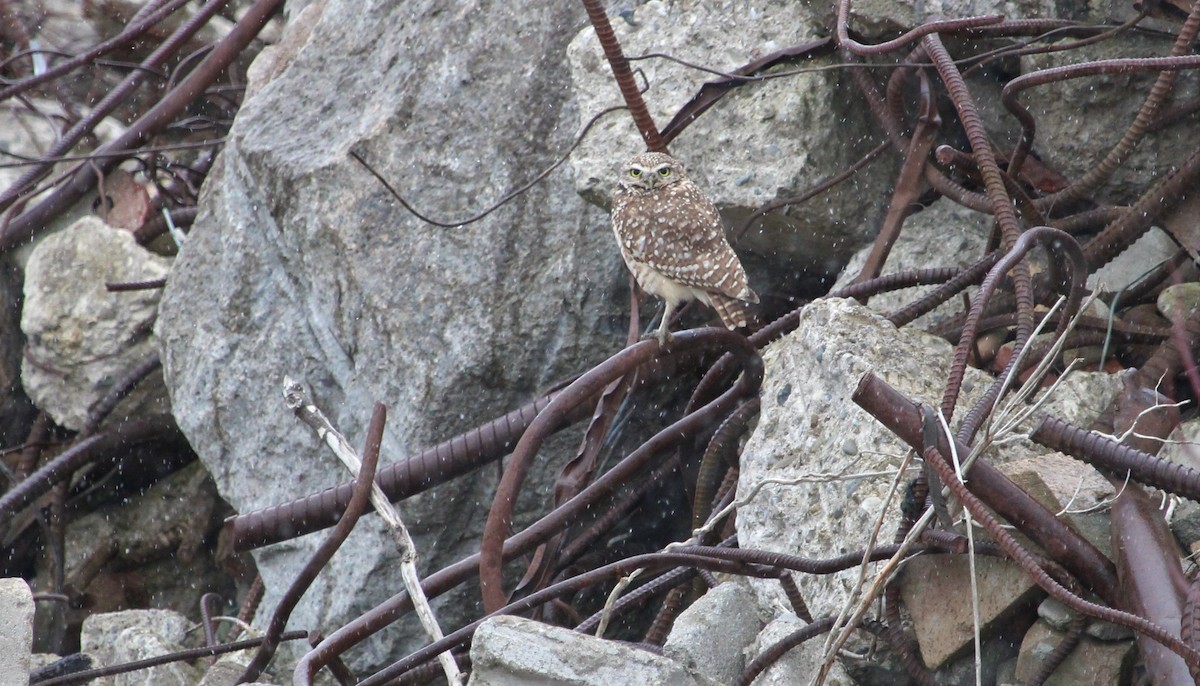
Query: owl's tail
(734, 313)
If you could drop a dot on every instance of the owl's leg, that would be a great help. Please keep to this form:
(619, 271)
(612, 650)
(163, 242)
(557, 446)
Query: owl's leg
(663, 334)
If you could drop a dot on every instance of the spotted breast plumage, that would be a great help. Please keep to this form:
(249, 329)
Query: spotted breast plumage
(673, 241)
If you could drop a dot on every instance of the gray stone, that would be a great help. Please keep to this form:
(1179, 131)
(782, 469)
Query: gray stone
(300, 263)
(1185, 524)
(120, 637)
(769, 140)
(1178, 301)
(836, 342)
(82, 339)
(829, 502)
(875, 17)
(800, 664)
(513, 651)
(937, 593)
(711, 636)
(1107, 631)
(1063, 484)
(1056, 614)
(1146, 252)
(226, 670)
(944, 234)
(1091, 662)
(1070, 137)
(16, 631)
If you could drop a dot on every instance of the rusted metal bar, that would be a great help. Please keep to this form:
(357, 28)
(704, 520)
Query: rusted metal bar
(445, 579)
(445, 461)
(155, 426)
(35, 219)
(624, 75)
(500, 517)
(1109, 455)
(1143, 626)
(128, 35)
(901, 416)
(358, 505)
(1152, 580)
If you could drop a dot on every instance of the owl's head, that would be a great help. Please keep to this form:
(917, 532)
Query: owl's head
(651, 170)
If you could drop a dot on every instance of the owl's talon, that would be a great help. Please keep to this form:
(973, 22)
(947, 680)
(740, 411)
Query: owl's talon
(663, 337)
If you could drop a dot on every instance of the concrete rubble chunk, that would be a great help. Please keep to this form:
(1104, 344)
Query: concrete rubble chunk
(936, 590)
(119, 637)
(1074, 144)
(758, 145)
(807, 416)
(711, 636)
(513, 651)
(944, 234)
(16, 631)
(300, 263)
(82, 339)
(1093, 662)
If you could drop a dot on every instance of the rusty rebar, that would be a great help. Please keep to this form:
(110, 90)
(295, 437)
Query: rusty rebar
(445, 461)
(623, 75)
(1189, 629)
(720, 454)
(35, 219)
(1132, 136)
(500, 516)
(985, 518)
(441, 581)
(907, 190)
(1152, 582)
(925, 29)
(308, 573)
(649, 562)
(112, 99)
(178, 656)
(1109, 455)
(127, 35)
(1031, 518)
(150, 427)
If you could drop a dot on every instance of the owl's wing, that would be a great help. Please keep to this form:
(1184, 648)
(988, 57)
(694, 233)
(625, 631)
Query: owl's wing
(694, 250)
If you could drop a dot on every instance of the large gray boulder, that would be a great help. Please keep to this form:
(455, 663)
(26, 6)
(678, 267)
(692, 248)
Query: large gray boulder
(301, 264)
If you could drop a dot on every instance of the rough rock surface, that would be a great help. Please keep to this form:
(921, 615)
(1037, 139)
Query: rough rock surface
(711, 636)
(300, 263)
(81, 339)
(937, 594)
(809, 428)
(1103, 663)
(769, 140)
(944, 234)
(512, 651)
(837, 460)
(1072, 140)
(16, 631)
(798, 665)
(120, 637)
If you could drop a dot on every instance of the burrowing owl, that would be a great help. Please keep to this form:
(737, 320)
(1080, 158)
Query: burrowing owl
(673, 241)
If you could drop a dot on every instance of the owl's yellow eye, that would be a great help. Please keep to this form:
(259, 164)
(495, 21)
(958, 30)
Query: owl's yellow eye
(635, 173)
(664, 172)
